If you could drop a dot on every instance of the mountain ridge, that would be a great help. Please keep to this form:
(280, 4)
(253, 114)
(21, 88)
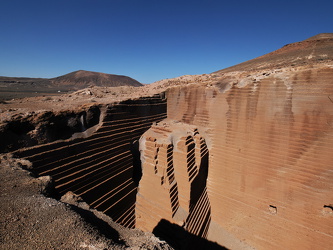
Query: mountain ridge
(316, 49)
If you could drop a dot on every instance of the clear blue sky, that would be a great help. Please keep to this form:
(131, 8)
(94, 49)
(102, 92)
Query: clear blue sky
(149, 40)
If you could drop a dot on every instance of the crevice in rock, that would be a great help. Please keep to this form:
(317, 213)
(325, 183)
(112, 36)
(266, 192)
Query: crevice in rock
(137, 169)
(272, 209)
(199, 216)
(328, 209)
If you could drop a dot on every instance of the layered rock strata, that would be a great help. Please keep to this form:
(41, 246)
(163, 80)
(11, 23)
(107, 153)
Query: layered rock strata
(244, 160)
(168, 149)
(103, 168)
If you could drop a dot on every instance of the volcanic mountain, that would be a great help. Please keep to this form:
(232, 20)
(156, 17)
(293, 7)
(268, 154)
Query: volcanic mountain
(82, 79)
(316, 49)
(72, 81)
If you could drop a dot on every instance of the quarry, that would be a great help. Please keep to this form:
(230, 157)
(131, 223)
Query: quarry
(237, 159)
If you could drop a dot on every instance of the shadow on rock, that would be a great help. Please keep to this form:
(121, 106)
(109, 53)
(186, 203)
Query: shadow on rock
(179, 238)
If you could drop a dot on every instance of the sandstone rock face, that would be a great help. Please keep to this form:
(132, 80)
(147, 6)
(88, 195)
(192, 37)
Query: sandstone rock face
(250, 160)
(170, 149)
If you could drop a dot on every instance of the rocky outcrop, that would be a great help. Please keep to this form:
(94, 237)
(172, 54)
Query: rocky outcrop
(175, 160)
(33, 128)
(315, 50)
(244, 160)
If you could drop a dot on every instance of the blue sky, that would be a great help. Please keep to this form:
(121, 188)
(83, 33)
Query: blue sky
(149, 40)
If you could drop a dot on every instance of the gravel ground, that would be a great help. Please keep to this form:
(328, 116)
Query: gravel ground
(30, 220)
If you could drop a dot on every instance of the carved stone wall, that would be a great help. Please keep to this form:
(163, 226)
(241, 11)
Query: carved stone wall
(252, 163)
(104, 168)
(246, 164)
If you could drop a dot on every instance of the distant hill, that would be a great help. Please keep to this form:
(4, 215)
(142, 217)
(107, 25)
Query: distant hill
(82, 79)
(72, 81)
(313, 50)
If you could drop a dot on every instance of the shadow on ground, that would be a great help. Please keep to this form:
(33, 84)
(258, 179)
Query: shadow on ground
(179, 238)
(100, 225)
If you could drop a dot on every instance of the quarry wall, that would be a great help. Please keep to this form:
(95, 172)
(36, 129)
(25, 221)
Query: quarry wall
(104, 168)
(244, 165)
